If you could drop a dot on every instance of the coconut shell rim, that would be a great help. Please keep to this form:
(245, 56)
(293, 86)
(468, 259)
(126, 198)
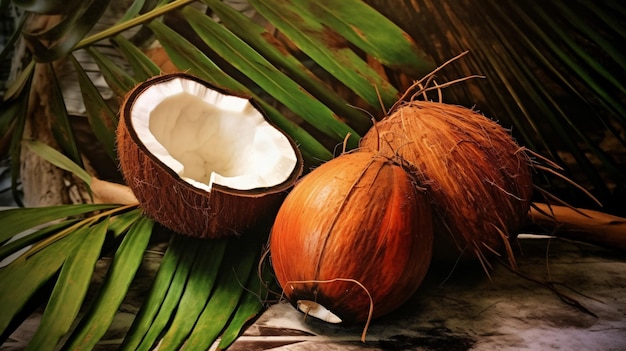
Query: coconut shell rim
(136, 91)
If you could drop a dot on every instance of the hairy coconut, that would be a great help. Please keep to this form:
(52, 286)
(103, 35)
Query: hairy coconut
(201, 161)
(478, 176)
(353, 239)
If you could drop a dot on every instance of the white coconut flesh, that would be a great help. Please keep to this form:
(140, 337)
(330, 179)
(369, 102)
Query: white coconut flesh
(208, 138)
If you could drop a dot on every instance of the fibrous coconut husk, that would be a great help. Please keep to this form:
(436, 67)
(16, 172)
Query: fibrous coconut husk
(479, 178)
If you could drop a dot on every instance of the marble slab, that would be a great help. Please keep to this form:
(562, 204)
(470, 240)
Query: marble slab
(463, 309)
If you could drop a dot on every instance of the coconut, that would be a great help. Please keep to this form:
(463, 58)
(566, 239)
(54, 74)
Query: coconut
(353, 239)
(200, 160)
(477, 175)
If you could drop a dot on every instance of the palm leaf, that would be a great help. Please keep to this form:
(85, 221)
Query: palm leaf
(58, 159)
(102, 119)
(60, 39)
(10, 43)
(326, 49)
(262, 41)
(372, 32)
(133, 10)
(39, 269)
(21, 84)
(70, 288)
(588, 66)
(174, 293)
(117, 79)
(197, 290)
(251, 304)
(120, 223)
(60, 124)
(17, 130)
(536, 81)
(240, 261)
(23, 241)
(161, 9)
(44, 6)
(127, 260)
(20, 219)
(539, 78)
(143, 68)
(154, 299)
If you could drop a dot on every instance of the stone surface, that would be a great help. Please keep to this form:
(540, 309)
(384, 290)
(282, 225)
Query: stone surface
(464, 310)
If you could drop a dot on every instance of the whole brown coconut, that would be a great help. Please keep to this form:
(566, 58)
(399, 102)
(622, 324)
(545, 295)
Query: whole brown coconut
(478, 176)
(201, 161)
(353, 239)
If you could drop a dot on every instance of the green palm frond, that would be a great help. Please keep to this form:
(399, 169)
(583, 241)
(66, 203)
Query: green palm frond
(321, 70)
(58, 40)
(554, 73)
(126, 262)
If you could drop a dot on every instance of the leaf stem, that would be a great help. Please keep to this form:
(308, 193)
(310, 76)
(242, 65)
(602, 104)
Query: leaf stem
(116, 29)
(85, 222)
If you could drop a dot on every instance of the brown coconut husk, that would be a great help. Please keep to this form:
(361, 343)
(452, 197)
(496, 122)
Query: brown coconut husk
(479, 178)
(475, 169)
(355, 236)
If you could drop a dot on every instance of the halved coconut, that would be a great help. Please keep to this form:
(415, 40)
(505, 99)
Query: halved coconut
(201, 161)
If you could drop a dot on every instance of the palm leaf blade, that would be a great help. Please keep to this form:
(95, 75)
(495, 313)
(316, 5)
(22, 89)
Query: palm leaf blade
(373, 33)
(121, 222)
(60, 124)
(327, 49)
(125, 264)
(266, 44)
(605, 42)
(275, 83)
(58, 159)
(153, 301)
(70, 289)
(21, 83)
(190, 59)
(17, 130)
(102, 120)
(20, 219)
(174, 292)
(197, 290)
(605, 14)
(240, 261)
(143, 68)
(249, 307)
(133, 10)
(19, 244)
(568, 60)
(117, 79)
(59, 40)
(312, 150)
(40, 268)
(580, 53)
(41, 6)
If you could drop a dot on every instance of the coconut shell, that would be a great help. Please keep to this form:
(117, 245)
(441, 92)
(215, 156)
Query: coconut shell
(478, 177)
(179, 205)
(355, 225)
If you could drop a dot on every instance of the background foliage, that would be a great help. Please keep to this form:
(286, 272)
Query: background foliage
(321, 70)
